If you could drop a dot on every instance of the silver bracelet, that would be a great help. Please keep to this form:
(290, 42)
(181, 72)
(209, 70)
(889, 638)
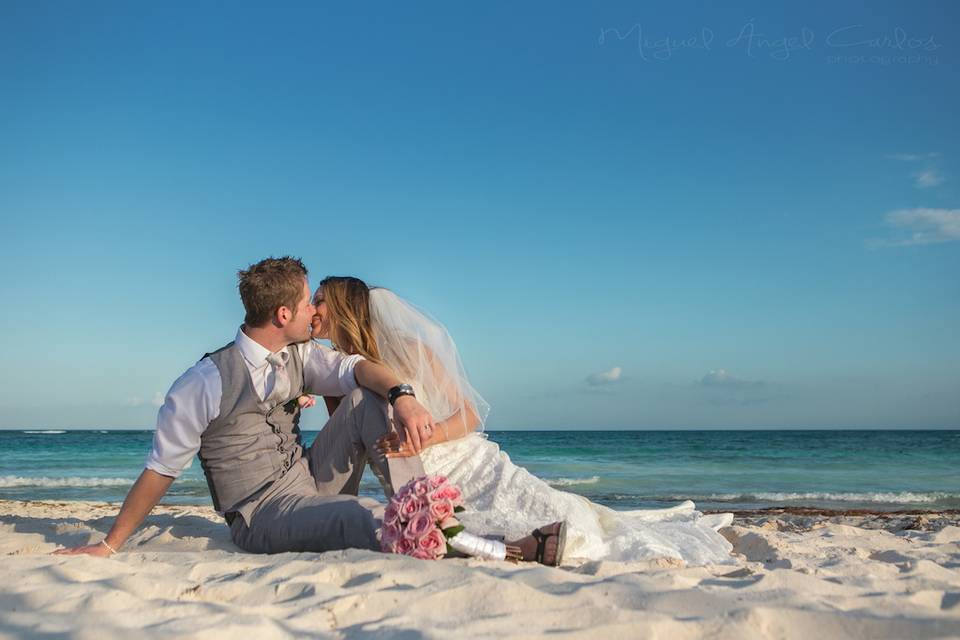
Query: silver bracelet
(104, 543)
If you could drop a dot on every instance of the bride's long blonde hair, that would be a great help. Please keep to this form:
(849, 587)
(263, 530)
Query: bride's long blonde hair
(348, 305)
(377, 324)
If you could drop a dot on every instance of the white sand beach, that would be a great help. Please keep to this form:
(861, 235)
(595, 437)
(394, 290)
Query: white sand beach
(799, 576)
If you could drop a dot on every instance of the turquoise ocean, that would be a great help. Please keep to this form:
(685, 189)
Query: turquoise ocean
(880, 470)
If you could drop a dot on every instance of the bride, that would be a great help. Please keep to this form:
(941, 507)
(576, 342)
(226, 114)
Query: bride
(501, 496)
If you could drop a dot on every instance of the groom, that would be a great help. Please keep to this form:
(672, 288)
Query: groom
(237, 410)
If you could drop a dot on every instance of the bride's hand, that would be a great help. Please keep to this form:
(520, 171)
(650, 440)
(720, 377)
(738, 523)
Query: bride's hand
(391, 446)
(306, 401)
(415, 420)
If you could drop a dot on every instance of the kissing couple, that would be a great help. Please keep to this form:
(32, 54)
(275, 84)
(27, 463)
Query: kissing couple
(399, 400)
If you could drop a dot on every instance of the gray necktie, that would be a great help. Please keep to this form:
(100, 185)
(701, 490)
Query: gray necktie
(281, 381)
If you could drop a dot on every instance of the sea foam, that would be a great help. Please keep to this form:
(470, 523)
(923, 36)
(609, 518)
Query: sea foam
(21, 481)
(878, 497)
(569, 482)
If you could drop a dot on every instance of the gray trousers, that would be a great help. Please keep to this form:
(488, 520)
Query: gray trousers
(314, 505)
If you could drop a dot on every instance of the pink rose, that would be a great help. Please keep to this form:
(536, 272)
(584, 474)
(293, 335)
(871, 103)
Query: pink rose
(392, 516)
(434, 543)
(449, 522)
(420, 487)
(404, 546)
(421, 554)
(448, 492)
(402, 493)
(419, 525)
(413, 487)
(410, 506)
(440, 510)
(389, 535)
(392, 512)
(437, 481)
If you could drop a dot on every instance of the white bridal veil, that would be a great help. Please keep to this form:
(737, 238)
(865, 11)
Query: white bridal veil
(420, 350)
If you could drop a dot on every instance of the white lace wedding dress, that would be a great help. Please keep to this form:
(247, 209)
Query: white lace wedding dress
(502, 498)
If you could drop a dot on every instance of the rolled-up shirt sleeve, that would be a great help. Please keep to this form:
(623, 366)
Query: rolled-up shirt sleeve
(192, 403)
(327, 372)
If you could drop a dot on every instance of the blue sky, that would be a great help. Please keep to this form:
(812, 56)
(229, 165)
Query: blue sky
(667, 215)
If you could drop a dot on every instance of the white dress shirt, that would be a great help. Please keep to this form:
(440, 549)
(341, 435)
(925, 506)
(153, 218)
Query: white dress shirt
(193, 401)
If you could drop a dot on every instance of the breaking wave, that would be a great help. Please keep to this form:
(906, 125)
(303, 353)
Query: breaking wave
(879, 497)
(569, 482)
(20, 481)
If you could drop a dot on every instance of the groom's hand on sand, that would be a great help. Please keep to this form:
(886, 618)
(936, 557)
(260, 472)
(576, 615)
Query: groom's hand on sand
(91, 550)
(415, 420)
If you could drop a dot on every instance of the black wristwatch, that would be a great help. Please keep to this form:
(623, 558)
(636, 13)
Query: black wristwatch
(399, 390)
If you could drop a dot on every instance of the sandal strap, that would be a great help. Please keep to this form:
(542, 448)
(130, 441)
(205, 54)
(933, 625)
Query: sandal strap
(541, 544)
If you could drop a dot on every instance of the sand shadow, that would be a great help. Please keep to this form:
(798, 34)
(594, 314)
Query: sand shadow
(69, 532)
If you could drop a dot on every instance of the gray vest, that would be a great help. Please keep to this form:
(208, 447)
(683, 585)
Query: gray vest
(249, 446)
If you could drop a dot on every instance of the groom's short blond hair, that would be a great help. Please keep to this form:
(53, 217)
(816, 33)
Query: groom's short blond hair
(268, 285)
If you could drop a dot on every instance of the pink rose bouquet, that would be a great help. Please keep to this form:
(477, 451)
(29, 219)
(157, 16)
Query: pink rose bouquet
(419, 521)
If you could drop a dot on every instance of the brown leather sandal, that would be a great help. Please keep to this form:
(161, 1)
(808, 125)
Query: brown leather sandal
(551, 540)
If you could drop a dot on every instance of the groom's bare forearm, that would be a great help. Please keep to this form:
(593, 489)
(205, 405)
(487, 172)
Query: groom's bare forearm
(142, 498)
(375, 377)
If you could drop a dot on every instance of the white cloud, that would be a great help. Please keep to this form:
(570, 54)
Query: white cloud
(926, 226)
(912, 157)
(604, 377)
(926, 179)
(726, 380)
(156, 401)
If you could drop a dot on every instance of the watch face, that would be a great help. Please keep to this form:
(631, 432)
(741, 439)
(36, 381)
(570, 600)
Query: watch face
(400, 390)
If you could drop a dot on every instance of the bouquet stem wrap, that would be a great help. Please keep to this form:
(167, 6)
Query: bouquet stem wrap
(478, 547)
